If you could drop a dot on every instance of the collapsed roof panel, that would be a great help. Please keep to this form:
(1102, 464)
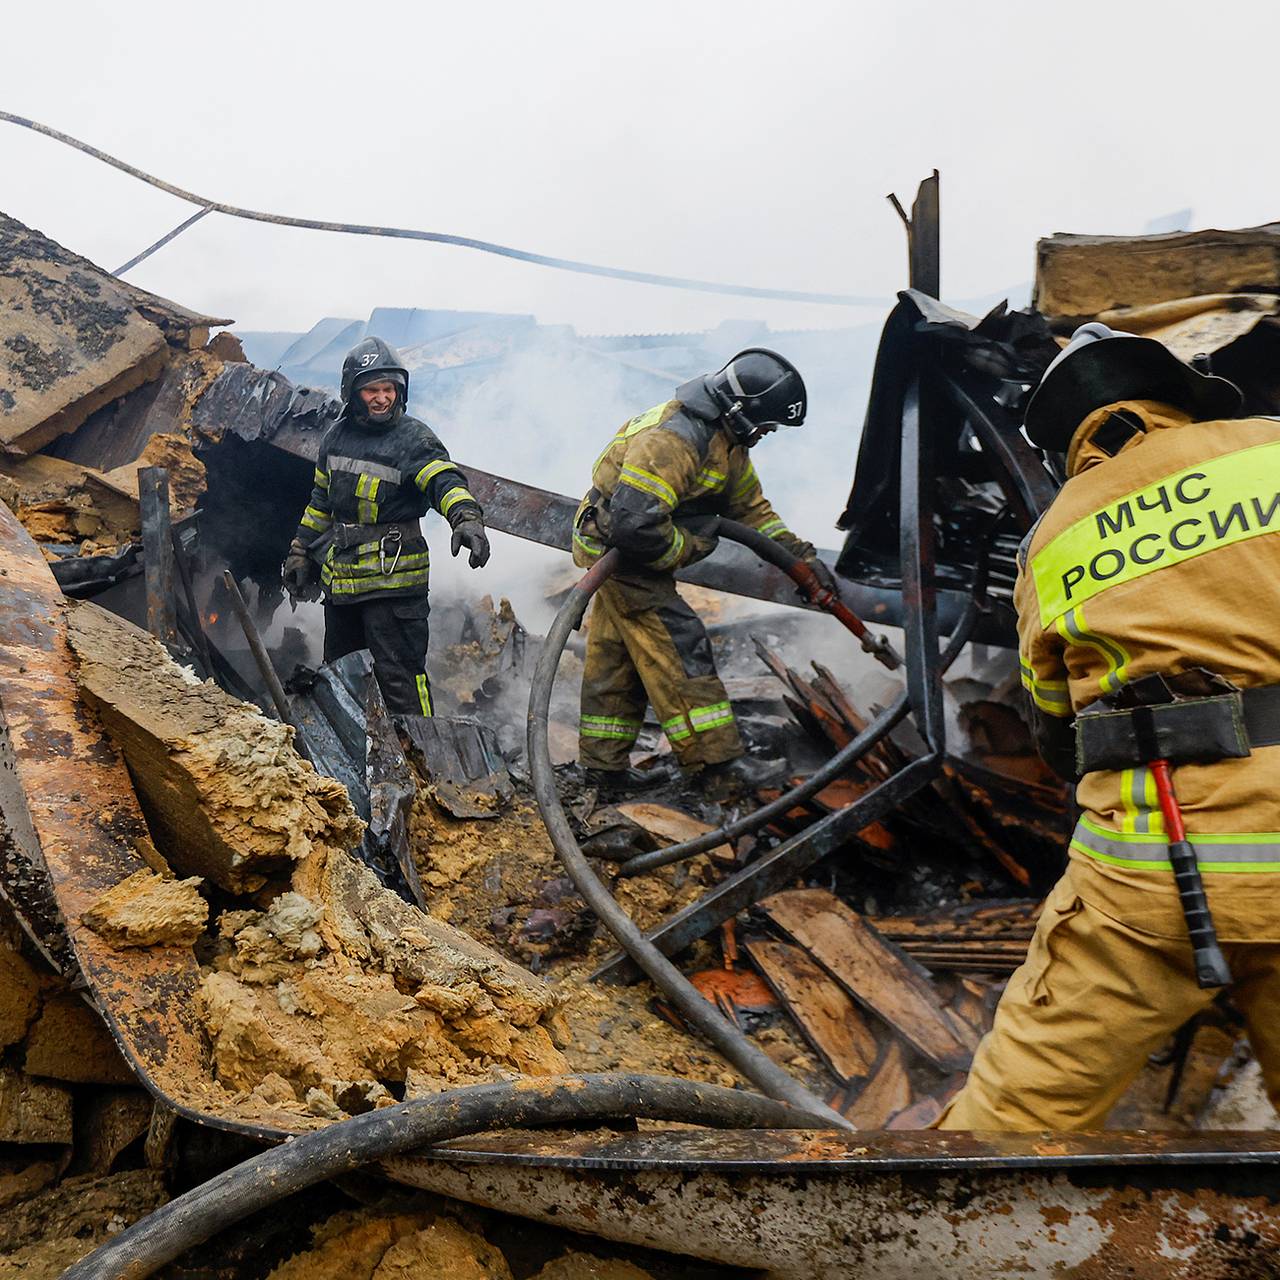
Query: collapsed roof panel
(73, 338)
(1079, 276)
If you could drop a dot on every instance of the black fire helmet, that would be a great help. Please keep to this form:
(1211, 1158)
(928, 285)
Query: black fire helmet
(372, 360)
(1101, 366)
(757, 391)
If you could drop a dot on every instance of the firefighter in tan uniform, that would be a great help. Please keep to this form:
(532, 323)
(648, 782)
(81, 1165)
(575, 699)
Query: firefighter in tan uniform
(1159, 558)
(661, 477)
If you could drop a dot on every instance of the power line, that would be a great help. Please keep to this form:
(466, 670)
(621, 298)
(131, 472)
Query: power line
(439, 237)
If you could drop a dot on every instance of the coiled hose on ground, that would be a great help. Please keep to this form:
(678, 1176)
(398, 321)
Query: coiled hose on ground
(761, 1070)
(201, 1213)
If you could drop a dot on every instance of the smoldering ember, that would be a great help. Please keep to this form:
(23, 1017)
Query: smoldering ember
(487, 1013)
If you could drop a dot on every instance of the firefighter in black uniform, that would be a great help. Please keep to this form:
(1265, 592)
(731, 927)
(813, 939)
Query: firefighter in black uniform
(359, 540)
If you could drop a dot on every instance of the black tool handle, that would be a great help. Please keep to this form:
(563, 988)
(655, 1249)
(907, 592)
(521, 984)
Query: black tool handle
(1211, 964)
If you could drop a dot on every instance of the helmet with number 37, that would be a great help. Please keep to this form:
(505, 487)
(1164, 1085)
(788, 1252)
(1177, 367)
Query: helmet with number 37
(372, 360)
(758, 391)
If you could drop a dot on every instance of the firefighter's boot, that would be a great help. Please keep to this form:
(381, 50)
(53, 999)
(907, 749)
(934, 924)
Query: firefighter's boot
(739, 777)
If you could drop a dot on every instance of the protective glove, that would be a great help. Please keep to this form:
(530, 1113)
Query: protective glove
(300, 573)
(471, 534)
(701, 537)
(826, 579)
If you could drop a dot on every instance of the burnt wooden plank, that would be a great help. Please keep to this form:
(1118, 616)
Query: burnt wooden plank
(885, 1094)
(820, 1007)
(875, 973)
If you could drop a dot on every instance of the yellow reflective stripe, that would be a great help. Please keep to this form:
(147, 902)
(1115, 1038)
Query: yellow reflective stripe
(588, 544)
(430, 471)
(367, 493)
(451, 499)
(373, 563)
(1188, 513)
(609, 727)
(354, 586)
(710, 479)
(424, 694)
(714, 716)
(1231, 852)
(1050, 696)
(672, 553)
(316, 519)
(1072, 626)
(747, 480)
(677, 728)
(772, 528)
(320, 479)
(1140, 802)
(648, 482)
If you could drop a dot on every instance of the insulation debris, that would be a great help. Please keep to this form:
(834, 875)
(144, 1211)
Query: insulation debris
(146, 910)
(74, 338)
(68, 1041)
(225, 794)
(339, 983)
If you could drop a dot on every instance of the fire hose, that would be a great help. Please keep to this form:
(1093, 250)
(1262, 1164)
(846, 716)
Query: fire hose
(199, 1214)
(761, 1070)
(848, 755)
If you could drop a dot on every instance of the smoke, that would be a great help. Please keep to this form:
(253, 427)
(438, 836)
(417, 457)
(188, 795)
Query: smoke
(543, 409)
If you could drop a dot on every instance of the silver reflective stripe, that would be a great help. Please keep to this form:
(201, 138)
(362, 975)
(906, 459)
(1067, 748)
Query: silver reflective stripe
(733, 381)
(356, 466)
(1247, 851)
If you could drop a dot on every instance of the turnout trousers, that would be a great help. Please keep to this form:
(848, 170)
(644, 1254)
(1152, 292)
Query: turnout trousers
(396, 633)
(1093, 1000)
(646, 646)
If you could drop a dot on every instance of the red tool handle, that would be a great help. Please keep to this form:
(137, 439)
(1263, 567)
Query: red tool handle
(1169, 806)
(804, 577)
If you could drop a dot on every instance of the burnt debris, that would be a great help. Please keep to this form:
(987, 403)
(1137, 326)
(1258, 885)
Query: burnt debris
(299, 908)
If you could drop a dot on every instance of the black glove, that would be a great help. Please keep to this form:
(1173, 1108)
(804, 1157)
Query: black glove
(300, 573)
(471, 534)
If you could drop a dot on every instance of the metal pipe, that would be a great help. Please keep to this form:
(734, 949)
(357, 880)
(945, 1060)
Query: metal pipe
(263, 660)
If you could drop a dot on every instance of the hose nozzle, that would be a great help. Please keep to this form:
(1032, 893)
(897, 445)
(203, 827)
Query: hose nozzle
(881, 650)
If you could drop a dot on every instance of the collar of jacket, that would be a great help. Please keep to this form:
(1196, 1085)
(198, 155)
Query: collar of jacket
(1083, 454)
(697, 400)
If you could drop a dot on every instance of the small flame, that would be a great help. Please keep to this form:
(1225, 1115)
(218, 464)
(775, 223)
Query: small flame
(212, 618)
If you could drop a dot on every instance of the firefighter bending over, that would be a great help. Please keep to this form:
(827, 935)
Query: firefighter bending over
(1147, 601)
(655, 490)
(378, 473)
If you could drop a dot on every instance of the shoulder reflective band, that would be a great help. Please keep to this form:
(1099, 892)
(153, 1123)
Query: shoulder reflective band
(1214, 504)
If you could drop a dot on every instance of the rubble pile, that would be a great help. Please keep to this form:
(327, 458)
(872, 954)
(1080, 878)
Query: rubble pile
(345, 911)
(330, 988)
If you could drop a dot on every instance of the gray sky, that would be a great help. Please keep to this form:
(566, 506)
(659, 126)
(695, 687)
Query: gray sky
(747, 142)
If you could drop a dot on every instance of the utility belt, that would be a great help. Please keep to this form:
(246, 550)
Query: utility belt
(391, 535)
(1194, 717)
